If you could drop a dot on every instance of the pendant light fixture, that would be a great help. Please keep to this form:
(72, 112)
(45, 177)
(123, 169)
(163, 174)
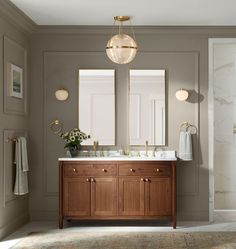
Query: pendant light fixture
(121, 48)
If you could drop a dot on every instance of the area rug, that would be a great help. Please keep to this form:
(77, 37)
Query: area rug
(128, 240)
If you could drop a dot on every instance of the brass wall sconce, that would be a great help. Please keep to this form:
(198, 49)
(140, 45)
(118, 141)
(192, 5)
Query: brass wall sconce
(182, 94)
(61, 94)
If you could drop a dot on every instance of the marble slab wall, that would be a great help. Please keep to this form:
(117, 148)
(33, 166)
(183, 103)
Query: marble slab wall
(224, 122)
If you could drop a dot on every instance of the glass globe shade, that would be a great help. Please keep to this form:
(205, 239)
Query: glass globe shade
(62, 94)
(121, 49)
(181, 95)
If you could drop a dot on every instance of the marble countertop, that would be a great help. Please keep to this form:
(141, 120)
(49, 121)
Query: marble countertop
(116, 158)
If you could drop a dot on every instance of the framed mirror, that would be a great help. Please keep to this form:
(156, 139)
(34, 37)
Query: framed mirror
(147, 107)
(97, 105)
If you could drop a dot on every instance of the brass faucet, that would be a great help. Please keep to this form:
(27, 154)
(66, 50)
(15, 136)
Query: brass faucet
(95, 145)
(146, 148)
(154, 151)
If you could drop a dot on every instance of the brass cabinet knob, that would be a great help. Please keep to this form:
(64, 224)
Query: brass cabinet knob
(146, 180)
(87, 180)
(74, 170)
(104, 170)
(92, 180)
(131, 170)
(143, 180)
(158, 170)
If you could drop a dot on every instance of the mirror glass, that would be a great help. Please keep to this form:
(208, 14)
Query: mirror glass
(97, 105)
(147, 107)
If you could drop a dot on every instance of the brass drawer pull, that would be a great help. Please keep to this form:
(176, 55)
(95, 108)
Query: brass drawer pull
(104, 170)
(158, 170)
(87, 180)
(74, 170)
(143, 180)
(92, 180)
(146, 180)
(131, 170)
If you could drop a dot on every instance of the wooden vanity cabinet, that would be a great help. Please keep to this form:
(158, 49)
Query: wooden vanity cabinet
(117, 190)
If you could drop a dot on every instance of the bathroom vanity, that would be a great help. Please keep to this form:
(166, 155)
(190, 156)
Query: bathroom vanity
(117, 189)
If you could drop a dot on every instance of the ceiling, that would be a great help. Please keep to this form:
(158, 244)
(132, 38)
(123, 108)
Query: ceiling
(143, 12)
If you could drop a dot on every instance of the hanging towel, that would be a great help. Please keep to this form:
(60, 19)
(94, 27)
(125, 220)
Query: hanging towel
(22, 167)
(185, 146)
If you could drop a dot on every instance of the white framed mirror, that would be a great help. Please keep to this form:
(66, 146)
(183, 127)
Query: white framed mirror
(147, 107)
(97, 105)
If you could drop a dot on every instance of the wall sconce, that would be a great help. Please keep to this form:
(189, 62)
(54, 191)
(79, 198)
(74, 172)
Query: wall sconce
(181, 95)
(61, 94)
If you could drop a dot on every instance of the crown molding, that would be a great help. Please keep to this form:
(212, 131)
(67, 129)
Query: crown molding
(16, 17)
(145, 30)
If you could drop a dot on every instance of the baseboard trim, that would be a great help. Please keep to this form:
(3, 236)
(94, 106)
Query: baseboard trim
(12, 226)
(193, 216)
(224, 215)
(183, 216)
(36, 215)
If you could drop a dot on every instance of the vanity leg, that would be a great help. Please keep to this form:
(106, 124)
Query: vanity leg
(174, 195)
(60, 223)
(60, 196)
(174, 223)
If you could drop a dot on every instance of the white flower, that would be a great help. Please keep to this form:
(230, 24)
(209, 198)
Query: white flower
(72, 138)
(72, 133)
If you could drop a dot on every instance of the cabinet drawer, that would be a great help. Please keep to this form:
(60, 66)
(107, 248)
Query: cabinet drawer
(142, 169)
(75, 170)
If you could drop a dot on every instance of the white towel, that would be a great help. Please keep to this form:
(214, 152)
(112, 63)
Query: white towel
(22, 167)
(185, 146)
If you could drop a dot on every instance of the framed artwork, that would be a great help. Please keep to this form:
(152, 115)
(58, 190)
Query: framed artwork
(16, 81)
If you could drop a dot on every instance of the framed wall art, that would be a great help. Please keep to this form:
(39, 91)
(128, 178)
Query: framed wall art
(16, 81)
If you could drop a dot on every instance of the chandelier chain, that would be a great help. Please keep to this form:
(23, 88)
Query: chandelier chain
(132, 29)
(113, 27)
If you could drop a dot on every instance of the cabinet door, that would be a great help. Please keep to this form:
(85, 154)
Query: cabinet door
(77, 197)
(131, 196)
(158, 196)
(104, 197)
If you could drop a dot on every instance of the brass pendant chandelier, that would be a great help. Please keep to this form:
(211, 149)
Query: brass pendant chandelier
(121, 48)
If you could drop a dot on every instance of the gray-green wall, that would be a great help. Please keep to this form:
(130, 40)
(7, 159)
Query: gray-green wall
(55, 55)
(14, 48)
(58, 53)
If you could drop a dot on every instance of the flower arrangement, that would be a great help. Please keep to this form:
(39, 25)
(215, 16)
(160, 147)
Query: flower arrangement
(74, 138)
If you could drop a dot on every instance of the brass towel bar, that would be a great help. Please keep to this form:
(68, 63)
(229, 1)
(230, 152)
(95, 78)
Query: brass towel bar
(11, 140)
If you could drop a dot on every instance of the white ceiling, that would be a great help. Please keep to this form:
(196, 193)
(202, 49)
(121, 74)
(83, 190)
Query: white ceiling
(144, 12)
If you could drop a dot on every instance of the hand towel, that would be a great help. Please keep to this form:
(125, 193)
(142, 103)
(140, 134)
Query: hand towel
(185, 146)
(22, 167)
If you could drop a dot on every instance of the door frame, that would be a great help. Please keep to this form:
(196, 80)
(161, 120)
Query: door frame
(214, 214)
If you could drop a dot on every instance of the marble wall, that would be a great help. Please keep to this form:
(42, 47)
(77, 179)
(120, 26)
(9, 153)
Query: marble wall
(224, 122)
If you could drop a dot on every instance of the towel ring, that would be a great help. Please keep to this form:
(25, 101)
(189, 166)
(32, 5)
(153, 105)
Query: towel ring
(56, 126)
(188, 127)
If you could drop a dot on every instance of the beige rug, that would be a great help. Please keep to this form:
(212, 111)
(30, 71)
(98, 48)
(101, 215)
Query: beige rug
(130, 240)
